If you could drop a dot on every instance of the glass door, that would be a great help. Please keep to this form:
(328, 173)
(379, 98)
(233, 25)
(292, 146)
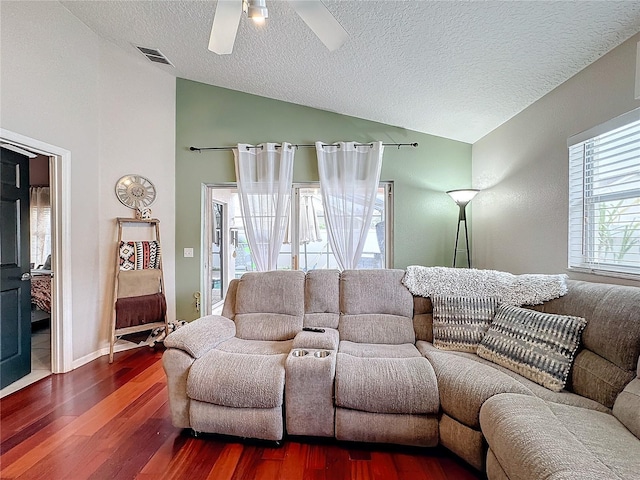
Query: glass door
(217, 269)
(226, 252)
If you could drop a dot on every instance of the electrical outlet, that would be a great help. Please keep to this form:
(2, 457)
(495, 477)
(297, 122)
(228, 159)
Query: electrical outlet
(188, 253)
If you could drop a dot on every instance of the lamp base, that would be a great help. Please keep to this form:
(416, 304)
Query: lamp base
(462, 219)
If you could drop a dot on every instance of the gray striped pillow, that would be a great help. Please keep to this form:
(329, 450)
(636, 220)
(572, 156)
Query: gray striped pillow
(459, 323)
(538, 346)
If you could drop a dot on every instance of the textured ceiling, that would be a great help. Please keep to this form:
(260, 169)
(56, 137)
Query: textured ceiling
(449, 68)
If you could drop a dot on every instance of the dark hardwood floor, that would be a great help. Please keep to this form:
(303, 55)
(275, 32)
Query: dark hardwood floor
(106, 421)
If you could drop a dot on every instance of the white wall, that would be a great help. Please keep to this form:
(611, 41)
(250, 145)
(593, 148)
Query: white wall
(115, 113)
(519, 219)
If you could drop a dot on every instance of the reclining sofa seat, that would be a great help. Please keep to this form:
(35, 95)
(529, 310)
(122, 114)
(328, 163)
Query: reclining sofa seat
(366, 387)
(604, 365)
(385, 390)
(226, 374)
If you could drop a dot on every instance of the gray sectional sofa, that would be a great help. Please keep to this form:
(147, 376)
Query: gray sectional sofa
(374, 375)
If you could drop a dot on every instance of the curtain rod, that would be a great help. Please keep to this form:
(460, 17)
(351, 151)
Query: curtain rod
(308, 145)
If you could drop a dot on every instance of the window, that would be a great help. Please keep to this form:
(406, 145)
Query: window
(306, 247)
(40, 228)
(311, 250)
(604, 198)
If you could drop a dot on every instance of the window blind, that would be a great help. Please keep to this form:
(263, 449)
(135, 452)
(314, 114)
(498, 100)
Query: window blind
(604, 197)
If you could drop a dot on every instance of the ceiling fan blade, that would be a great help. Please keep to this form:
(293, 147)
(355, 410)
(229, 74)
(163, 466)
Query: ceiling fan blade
(225, 26)
(320, 20)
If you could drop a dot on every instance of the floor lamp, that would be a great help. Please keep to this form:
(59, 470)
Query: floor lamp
(462, 197)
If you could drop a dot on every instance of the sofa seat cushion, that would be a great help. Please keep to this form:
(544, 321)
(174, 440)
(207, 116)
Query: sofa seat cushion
(379, 350)
(237, 379)
(563, 397)
(474, 379)
(256, 347)
(465, 384)
(386, 385)
(531, 438)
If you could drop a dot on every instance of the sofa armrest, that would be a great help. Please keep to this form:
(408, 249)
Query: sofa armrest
(327, 340)
(627, 407)
(201, 335)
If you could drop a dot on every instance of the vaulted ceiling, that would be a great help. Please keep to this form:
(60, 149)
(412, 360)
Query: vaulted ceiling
(457, 69)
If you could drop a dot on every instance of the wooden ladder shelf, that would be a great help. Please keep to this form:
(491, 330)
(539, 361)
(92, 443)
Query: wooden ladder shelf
(118, 332)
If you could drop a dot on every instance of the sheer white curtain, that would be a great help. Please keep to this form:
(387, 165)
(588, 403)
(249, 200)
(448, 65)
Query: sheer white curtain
(349, 177)
(40, 222)
(265, 176)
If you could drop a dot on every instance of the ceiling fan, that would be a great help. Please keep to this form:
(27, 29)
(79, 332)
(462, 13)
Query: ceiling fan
(313, 12)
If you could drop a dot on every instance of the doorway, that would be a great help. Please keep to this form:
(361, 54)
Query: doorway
(40, 264)
(61, 295)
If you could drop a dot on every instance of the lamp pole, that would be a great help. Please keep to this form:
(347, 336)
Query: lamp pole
(462, 217)
(462, 198)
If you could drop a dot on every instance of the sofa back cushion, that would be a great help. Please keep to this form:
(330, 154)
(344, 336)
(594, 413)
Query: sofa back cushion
(322, 298)
(269, 305)
(611, 339)
(375, 307)
(423, 318)
(229, 306)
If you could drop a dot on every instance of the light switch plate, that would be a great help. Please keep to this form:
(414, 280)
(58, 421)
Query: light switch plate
(188, 253)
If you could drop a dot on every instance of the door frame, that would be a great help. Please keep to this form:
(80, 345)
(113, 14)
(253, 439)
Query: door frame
(61, 312)
(206, 238)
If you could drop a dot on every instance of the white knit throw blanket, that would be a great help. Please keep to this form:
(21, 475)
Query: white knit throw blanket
(529, 289)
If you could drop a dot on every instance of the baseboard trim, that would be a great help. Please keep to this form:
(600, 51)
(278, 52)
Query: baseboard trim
(121, 347)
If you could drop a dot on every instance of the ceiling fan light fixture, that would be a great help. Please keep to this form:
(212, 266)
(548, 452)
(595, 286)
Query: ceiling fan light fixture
(313, 12)
(257, 10)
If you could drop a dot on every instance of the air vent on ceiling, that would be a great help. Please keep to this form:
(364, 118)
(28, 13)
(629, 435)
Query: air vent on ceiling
(154, 55)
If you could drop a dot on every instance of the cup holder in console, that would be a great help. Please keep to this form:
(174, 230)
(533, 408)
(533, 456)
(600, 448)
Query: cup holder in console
(299, 353)
(321, 353)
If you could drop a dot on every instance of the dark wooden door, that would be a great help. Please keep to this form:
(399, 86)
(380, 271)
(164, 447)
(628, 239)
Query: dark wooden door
(15, 288)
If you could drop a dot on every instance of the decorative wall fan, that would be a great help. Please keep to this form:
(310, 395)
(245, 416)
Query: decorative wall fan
(135, 191)
(313, 12)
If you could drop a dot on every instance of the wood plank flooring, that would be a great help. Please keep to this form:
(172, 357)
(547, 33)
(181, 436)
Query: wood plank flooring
(107, 422)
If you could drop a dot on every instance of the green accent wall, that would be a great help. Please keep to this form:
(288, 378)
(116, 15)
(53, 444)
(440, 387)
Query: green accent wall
(425, 218)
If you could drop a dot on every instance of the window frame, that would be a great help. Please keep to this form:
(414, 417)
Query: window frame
(585, 203)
